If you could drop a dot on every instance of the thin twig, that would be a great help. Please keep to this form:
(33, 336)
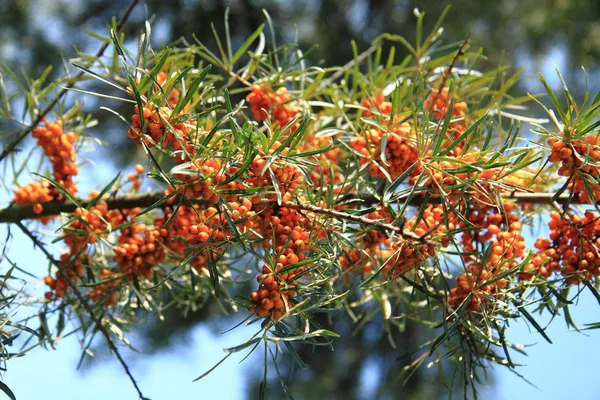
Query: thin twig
(460, 53)
(239, 78)
(350, 217)
(12, 145)
(85, 305)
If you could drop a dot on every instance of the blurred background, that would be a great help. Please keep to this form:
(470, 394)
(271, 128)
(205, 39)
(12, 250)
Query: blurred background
(538, 35)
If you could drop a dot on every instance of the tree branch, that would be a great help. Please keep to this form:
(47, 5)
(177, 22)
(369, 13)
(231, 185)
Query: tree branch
(12, 145)
(15, 214)
(22, 212)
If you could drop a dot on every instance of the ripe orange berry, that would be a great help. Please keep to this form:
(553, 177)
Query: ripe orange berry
(267, 303)
(261, 312)
(255, 297)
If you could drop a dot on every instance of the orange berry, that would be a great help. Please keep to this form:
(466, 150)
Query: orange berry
(267, 303)
(261, 312)
(275, 295)
(277, 315)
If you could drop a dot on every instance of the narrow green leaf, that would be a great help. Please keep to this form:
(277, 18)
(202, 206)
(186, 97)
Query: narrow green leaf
(559, 109)
(117, 44)
(242, 50)
(533, 322)
(191, 90)
(61, 189)
(213, 368)
(441, 135)
(103, 191)
(593, 289)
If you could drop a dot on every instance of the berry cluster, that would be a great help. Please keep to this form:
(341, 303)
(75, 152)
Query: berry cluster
(180, 234)
(376, 104)
(35, 193)
(210, 232)
(90, 223)
(85, 229)
(135, 178)
(155, 127)
(501, 232)
(572, 248)
(287, 234)
(438, 104)
(400, 254)
(543, 263)
(408, 254)
(436, 177)
(273, 295)
(320, 174)
(72, 268)
(579, 161)
(393, 159)
(265, 102)
(481, 284)
(489, 222)
(202, 184)
(106, 291)
(270, 169)
(139, 250)
(58, 147)
(357, 261)
(161, 78)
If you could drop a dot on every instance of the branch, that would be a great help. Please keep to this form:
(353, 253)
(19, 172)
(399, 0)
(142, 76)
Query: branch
(12, 145)
(85, 305)
(15, 214)
(22, 212)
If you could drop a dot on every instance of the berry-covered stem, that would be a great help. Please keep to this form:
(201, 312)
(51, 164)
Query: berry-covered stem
(23, 212)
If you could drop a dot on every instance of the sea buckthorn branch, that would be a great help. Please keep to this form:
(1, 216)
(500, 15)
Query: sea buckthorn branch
(143, 200)
(18, 213)
(97, 322)
(73, 81)
(243, 176)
